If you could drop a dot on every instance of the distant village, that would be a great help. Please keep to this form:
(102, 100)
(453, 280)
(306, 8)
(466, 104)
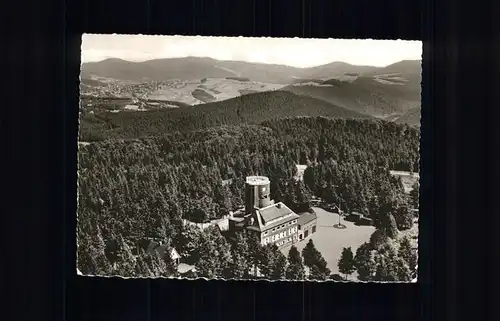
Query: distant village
(121, 89)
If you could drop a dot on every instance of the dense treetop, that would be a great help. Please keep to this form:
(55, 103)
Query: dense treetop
(135, 188)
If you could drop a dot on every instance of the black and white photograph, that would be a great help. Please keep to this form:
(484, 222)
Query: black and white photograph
(235, 158)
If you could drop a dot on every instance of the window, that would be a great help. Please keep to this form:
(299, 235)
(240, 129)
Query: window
(265, 233)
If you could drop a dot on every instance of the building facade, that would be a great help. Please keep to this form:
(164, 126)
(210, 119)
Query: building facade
(307, 224)
(272, 223)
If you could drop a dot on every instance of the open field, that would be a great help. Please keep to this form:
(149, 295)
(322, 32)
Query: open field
(330, 241)
(391, 79)
(190, 92)
(207, 90)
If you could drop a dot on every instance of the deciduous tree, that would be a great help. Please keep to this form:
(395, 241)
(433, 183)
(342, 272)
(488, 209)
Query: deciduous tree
(273, 263)
(390, 267)
(241, 262)
(365, 262)
(214, 254)
(408, 254)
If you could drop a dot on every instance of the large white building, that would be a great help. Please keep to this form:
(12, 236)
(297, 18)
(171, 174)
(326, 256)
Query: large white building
(271, 222)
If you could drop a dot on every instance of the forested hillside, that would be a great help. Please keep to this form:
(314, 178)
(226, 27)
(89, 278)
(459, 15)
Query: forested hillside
(137, 188)
(248, 109)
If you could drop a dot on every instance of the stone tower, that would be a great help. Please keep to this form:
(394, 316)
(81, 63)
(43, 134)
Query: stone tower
(257, 193)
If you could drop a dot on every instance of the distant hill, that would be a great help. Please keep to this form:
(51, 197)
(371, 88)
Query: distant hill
(337, 68)
(382, 92)
(196, 68)
(408, 68)
(247, 109)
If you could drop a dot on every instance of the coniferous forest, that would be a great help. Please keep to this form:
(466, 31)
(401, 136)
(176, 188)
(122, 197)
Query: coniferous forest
(135, 187)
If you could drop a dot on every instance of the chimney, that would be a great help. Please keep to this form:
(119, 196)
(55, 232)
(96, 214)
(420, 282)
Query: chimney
(278, 205)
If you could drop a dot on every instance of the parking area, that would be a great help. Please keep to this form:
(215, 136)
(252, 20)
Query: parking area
(330, 241)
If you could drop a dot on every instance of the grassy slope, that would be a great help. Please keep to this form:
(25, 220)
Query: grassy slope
(365, 95)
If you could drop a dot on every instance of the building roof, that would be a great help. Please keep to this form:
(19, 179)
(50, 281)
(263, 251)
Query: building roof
(183, 268)
(275, 215)
(257, 180)
(174, 255)
(265, 218)
(161, 248)
(223, 224)
(152, 246)
(273, 212)
(279, 222)
(306, 217)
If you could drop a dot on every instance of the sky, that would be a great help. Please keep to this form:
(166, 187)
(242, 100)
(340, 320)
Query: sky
(294, 52)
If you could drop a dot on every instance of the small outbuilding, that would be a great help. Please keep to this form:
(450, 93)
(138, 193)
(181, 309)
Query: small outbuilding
(307, 224)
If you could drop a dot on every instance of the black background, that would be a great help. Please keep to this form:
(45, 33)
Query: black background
(39, 134)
